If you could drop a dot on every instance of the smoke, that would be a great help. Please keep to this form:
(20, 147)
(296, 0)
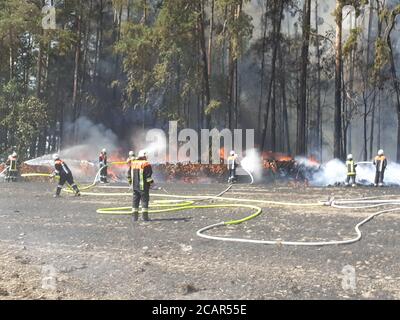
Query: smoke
(335, 172)
(252, 163)
(90, 139)
(82, 158)
(329, 173)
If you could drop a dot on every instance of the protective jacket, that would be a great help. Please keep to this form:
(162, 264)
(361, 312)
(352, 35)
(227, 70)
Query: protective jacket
(61, 168)
(351, 167)
(380, 163)
(141, 174)
(12, 163)
(102, 159)
(232, 163)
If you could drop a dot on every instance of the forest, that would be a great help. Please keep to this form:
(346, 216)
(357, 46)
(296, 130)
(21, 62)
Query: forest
(315, 78)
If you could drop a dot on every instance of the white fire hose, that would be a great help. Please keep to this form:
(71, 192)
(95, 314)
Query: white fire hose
(336, 204)
(358, 203)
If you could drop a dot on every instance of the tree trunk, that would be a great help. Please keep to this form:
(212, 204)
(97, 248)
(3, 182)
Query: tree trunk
(337, 150)
(301, 147)
(277, 23)
(206, 80)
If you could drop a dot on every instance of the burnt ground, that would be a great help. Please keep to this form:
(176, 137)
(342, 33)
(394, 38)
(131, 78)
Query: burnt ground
(109, 257)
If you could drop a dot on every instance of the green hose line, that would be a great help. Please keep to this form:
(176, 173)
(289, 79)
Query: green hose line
(33, 175)
(185, 205)
(173, 203)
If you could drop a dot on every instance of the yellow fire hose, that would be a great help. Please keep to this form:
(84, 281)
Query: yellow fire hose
(180, 203)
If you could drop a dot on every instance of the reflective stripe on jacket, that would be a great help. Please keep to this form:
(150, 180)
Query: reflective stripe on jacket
(61, 168)
(141, 173)
(351, 168)
(12, 163)
(232, 162)
(380, 162)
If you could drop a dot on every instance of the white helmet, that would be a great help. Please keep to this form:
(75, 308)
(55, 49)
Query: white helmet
(349, 157)
(56, 156)
(232, 153)
(380, 152)
(131, 153)
(14, 154)
(142, 154)
(104, 150)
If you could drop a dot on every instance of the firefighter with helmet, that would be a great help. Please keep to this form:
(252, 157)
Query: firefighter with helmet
(12, 171)
(141, 174)
(65, 175)
(380, 163)
(351, 171)
(232, 165)
(131, 158)
(103, 166)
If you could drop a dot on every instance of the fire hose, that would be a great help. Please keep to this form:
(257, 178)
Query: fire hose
(181, 203)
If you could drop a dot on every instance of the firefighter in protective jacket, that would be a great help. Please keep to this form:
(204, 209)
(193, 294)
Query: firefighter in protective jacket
(12, 171)
(351, 171)
(380, 163)
(103, 166)
(65, 175)
(232, 165)
(141, 173)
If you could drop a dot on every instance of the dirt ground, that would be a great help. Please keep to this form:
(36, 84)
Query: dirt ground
(62, 249)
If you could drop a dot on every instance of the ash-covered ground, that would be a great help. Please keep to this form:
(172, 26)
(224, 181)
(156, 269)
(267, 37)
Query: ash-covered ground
(108, 257)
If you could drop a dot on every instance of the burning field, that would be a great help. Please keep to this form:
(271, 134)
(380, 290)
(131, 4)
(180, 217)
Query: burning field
(62, 249)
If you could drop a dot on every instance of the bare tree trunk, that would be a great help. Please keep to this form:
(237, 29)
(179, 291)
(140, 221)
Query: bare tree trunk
(318, 135)
(285, 118)
(277, 23)
(264, 44)
(210, 39)
(206, 80)
(75, 92)
(396, 87)
(337, 148)
(301, 147)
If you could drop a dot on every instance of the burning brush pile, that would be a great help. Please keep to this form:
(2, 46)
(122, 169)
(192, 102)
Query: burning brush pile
(191, 172)
(278, 166)
(274, 167)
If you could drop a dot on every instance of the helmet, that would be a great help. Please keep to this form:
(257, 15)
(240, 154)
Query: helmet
(349, 157)
(56, 156)
(104, 150)
(14, 154)
(142, 154)
(380, 152)
(131, 153)
(232, 153)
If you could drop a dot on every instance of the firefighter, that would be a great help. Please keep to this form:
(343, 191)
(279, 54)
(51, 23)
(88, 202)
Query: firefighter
(103, 166)
(380, 163)
(131, 158)
(141, 173)
(12, 171)
(65, 174)
(232, 164)
(351, 171)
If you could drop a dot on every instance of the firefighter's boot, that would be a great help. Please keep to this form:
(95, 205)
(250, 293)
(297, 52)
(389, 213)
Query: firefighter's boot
(77, 192)
(135, 215)
(58, 192)
(145, 213)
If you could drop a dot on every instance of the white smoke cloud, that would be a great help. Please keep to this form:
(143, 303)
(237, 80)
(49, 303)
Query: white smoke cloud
(252, 163)
(335, 172)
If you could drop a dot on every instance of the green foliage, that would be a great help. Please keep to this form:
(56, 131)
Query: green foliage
(351, 42)
(31, 119)
(213, 106)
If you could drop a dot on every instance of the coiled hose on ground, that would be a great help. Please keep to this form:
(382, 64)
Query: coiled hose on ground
(180, 203)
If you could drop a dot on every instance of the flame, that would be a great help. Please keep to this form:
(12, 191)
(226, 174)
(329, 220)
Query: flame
(269, 155)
